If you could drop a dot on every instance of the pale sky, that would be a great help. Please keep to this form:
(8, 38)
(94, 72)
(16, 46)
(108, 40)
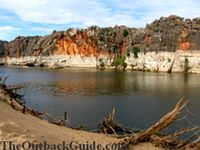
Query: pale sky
(41, 17)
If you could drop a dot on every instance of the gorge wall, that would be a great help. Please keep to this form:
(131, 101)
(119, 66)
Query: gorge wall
(157, 46)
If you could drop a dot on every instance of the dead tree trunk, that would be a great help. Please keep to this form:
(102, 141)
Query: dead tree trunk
(163, 122)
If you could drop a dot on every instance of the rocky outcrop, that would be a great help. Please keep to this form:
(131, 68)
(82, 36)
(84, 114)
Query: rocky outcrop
(94, 45)
(172, 33)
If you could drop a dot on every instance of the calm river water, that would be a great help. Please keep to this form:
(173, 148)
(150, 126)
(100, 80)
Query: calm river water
(88, 95)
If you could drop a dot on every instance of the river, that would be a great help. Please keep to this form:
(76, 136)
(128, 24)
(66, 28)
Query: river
(88, 95)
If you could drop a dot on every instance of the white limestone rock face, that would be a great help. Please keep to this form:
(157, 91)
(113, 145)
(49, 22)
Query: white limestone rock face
(187, 62)
(135, 63)
(165, 61)
(55, 60)
(194, 65)
(104, 61)
(179, 64)
(73, 61)
(150, 61)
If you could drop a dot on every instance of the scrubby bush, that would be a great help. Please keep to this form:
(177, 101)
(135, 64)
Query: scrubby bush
(136, 50)
(125, 33)
(119, 61)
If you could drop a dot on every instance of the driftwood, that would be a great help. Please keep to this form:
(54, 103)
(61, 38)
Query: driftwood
(109, 126)
(15, 99)
(162, 123)
(4, 81)
(17, 86)
(171, 141)
(12, 89)
(17, 103)
(54, 120)
(20, 106)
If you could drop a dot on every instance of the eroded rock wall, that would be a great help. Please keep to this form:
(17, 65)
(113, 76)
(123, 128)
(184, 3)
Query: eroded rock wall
(85, 47)
(166, 34)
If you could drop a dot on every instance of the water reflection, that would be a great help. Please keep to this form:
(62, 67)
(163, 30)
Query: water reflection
(89, 95)
(120, 83)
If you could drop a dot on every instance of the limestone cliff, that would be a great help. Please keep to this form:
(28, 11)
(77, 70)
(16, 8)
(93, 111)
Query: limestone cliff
(82, 46)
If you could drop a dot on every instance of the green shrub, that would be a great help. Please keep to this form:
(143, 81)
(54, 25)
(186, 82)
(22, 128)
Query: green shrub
(120, 60)
(136, 50)
(125, 33)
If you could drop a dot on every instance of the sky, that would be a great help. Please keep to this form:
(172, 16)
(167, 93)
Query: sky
(41, 17)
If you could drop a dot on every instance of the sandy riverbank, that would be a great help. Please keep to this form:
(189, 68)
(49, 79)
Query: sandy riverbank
(18, 128)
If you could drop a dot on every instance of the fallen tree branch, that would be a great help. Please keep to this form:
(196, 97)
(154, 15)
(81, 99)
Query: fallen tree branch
(162, 123)
(109, 126)
(17, 86)
(60, 122)
(4, 81)
(171, 141)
